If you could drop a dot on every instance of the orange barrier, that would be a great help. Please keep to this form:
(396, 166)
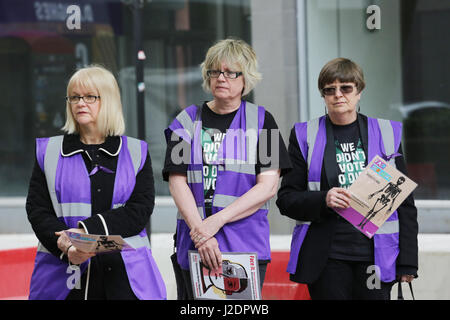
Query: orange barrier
(16, 267)
(277, 285)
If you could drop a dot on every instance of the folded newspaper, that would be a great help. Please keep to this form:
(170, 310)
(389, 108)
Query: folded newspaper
(376, 194)
(238, 279)
(98, 243)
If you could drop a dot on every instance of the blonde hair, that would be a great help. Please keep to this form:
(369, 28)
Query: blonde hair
(110, 119)
(232, 52)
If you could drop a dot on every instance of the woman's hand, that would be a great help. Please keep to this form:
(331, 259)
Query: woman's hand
(338, 198)
(77, 256)
(64, 241)
(207, 229)
(211, 255)
(406, 278)
(74, 255)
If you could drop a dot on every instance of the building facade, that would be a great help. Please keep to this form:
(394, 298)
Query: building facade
(402, 45)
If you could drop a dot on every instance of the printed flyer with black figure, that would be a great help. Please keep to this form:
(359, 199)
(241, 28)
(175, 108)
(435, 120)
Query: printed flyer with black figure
(376, 194)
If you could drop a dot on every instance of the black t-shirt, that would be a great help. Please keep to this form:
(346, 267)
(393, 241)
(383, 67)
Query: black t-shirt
(349, 243)
(214, 130)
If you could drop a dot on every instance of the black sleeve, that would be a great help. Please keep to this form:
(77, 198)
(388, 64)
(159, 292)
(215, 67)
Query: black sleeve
(40, 212)
(265, 159)
(169, 165)
(294, 200)
(132, 218)
(407, 261)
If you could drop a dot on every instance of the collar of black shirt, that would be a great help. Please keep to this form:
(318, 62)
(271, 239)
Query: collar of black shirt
(72, 145)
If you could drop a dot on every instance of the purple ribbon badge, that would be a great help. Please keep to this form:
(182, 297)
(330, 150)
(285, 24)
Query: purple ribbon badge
(97, 168)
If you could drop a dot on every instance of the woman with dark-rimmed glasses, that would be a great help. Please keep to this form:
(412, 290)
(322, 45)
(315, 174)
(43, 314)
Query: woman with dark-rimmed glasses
(217, 177)
(329, 254)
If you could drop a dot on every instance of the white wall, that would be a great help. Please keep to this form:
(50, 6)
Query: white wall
(274, 39)
(337, 28)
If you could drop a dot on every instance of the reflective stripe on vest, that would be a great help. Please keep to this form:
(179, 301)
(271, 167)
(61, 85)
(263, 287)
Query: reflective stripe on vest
(134, 147)
(51, 159)
(50, 278)
(387, 135)
(391, 138)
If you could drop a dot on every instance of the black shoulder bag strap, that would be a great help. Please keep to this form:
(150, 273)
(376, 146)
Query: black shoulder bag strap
(400, 291)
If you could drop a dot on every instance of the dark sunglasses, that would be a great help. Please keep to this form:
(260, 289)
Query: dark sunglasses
(331, 91)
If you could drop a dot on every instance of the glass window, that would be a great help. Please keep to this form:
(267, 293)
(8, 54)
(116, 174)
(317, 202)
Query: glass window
(426, 95)
(38, 53)
(405, 64)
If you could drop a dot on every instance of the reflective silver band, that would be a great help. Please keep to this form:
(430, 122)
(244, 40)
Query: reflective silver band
(312, 129)
(200, 213)
(138, 242)
(311, 134)
(313, 185)
(134, 147)
(41, 248)
(74, 210)
(51, 158)
(251, 131)
(389, 227)
(194, 176)
(187, 123)
(223, 201)
(387, 135)
(239, 168)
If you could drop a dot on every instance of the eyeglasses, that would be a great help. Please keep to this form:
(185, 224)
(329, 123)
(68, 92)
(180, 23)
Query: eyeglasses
(331, 91)
(88, 99)
(226, 74)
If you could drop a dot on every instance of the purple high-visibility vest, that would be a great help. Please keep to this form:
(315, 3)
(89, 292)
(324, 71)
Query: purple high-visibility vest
(384, 137)
(69, 187)
(236, 175)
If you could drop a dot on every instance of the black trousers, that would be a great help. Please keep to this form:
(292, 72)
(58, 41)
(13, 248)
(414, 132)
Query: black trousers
(184, 285)
(349, 280)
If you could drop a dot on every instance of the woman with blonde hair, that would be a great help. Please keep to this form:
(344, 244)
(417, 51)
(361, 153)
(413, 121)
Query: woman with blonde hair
(220, 182)
(92, 180)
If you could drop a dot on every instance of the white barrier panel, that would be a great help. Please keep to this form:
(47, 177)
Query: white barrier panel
(434, 261)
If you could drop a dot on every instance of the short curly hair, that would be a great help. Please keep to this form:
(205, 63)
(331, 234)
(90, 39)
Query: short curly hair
(234, 52)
